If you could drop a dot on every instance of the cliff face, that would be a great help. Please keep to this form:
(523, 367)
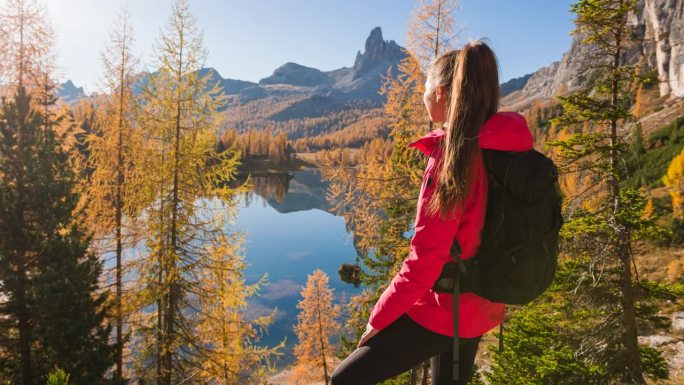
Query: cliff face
(662, 22)
(659, 25)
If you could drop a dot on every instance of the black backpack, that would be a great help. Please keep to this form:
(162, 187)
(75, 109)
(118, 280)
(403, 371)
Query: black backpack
(517, 257)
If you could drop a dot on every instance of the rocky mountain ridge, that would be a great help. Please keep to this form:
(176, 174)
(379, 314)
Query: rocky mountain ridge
(69, 93)
(659, 26)
(360, 82)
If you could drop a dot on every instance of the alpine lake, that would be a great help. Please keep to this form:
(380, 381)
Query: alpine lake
(289, 231)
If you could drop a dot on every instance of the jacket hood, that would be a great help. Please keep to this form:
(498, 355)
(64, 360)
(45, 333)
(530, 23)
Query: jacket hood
(503, 131)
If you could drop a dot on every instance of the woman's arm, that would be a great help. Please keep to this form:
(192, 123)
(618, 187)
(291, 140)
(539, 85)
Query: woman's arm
(429, 250)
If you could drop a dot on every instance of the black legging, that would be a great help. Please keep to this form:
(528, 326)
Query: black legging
(401, 346)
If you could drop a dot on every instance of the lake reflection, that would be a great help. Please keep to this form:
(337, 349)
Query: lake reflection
(289, 234)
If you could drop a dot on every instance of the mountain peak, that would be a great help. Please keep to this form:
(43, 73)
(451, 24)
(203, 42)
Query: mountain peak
(377, 52)
(69, 93)
(374, 39)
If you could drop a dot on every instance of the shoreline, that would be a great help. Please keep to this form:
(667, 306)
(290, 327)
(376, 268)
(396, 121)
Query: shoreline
(265, 167)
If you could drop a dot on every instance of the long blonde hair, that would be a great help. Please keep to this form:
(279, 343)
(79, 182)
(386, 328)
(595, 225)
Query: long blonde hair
(471, 75)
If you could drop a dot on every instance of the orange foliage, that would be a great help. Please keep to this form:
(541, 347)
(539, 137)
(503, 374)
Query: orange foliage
(316, 324)
(257, 144)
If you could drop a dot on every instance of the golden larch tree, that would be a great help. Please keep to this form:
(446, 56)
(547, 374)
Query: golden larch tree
(112, 204)
(316, 325)
(26, 40)
(229, 354)
(187, 270)
(674, 180)
(432, 29)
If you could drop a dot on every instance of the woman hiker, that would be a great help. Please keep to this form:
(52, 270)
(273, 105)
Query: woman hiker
(410, 322)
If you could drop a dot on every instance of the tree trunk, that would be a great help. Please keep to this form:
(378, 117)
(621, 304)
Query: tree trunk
(24, 322)
(633, 360)
(119, 240)
(634, 373)
(24, 314)
(160, 281)
(413, 375)
(320, 336)
(426, 367)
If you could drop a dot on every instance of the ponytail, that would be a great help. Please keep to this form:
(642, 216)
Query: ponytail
(473, 98)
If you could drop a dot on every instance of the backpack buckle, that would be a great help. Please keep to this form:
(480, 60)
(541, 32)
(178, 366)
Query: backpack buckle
(455, 253)
(455, 250)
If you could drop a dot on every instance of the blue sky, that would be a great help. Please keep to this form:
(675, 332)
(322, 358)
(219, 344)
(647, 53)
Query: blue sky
(248, 39)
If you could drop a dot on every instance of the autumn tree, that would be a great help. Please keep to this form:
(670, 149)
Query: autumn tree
(639, 102)
(432, 29)
(25, 44)
(111, 146)
(674, 181)
(369, 126)
(257, 144)
(179, 276)
(316, 325)
(229, 353)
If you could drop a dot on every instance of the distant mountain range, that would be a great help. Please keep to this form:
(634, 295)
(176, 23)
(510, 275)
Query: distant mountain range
(362, 81)
(298, 92)
(301, 100)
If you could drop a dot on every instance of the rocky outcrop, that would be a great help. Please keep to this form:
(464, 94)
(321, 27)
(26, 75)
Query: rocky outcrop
(69, 93)
(359, 82)
(662, 22)
(362, 81)
(378, 52)
(569, 73)
(544, 82)
(514, 85)
(229, 86)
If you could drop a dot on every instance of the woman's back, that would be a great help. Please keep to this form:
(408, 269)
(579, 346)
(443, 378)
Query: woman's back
(409, 291)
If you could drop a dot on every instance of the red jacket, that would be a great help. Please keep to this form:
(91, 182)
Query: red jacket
(410, 290)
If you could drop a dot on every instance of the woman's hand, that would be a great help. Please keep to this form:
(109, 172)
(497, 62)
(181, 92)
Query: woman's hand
(368, 334)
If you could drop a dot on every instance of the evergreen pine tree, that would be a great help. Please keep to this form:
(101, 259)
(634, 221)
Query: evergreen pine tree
(71, 311)
(49, 279)
(593, 333)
